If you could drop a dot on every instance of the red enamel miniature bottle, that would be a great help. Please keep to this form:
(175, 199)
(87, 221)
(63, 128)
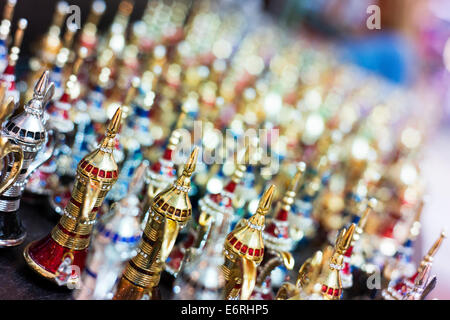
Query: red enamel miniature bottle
(61, 255)
(278, 241)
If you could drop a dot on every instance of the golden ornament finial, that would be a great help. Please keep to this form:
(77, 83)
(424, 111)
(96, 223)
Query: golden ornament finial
(289, 196)
(371, 204)
(419, 210)
(241, 166)
(432, 252)
(8, 10)
(18, 36)
(114, 123)
(189, 167)
(345, 239)
(82, 54)
(111, 131)
(265, 202)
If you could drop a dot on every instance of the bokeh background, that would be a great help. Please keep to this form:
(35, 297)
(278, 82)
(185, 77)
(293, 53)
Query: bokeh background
(412, 49)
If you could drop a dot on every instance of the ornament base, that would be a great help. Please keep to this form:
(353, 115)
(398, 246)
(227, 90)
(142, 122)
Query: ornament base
(12, 232)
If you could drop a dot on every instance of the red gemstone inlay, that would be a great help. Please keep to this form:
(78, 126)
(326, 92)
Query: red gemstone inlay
(109, 174)
(232, 241)
(83, 164)
(324, 288)
(330, 291)
(282, 215)
(89, 167)
(95, 171)
(257, 252)
(336, 292)
(102, 173)
(244, 249)
(167, 154)
(238, 245)
(230, 187)
(250, 251)
(115, 174)
(229, 236)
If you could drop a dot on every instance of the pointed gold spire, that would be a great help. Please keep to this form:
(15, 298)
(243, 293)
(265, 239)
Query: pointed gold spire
(432, 252)
(288, 198)
(371, 204)
(112, 130)
(265, 202)
(114, 124)
(189, 167)
(82, 54)
(345, 238)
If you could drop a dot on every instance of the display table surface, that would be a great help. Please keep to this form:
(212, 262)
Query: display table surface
(19, 282)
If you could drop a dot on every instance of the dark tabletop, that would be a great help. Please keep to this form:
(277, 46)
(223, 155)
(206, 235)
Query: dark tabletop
(17, 280)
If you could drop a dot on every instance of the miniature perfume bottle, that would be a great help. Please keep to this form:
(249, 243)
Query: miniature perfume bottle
(61, 255)
(346, 273)
(9, 74)
(244, 250)
(301, 223)
(401, 265)
(5, 28)
(398, 290)
(26, 130)
(216, 215)
(201, 278)
(422, 285)
(332, 284)
(64, 55)
(277, 242)
(115, 241)
(88, 37)
(170, 211)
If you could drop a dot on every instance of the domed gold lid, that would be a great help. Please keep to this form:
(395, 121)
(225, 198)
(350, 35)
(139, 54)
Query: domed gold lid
(100, 163)
(174, 203)
(246, 239)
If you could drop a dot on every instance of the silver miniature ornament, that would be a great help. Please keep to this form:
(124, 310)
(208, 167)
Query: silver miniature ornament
(27, 130)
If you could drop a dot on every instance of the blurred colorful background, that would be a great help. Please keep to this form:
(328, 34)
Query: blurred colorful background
(411, 49)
